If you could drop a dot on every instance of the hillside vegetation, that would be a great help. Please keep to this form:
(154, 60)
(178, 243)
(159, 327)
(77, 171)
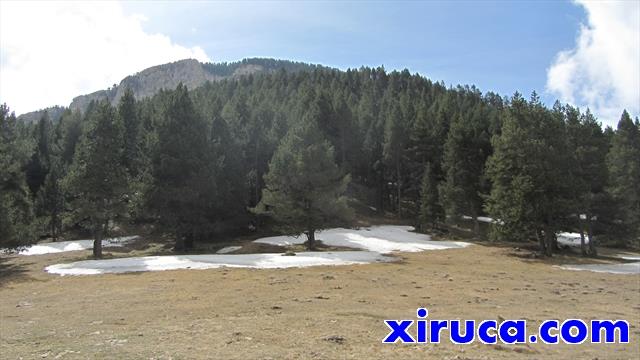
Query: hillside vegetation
(188, 148)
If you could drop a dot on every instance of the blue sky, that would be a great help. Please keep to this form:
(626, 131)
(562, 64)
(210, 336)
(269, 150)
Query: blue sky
(582, 52)
(499, 46)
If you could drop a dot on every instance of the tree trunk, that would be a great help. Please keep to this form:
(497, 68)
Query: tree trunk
(257, 189)
(54, 226)
(97, 242)
(553, 239)
(549, 241)
(179, 246)
(548, 234)
(476, 224)
(399, 184)
(311, 239)
(188, 242)
(540, 237)
(583, 247)
(381, 192)
(592, 240)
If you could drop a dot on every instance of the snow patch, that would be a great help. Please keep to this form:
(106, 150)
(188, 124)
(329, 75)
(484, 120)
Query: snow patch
(629, 268)
(382, 239)
(484, 219)
(629, 257)
(228, 249)
(260, 261)
(570, 239)
(376, 241)
(75, 245)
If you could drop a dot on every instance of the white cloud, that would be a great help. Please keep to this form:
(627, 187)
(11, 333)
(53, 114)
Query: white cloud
(603, 70)
(53, 51)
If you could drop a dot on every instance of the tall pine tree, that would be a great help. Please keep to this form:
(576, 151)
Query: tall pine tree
(97, 179)
(465, 153)
(623, 162)
(183, 191)
(304, 186)
(528, 171)
(16, 213)
(431, 212)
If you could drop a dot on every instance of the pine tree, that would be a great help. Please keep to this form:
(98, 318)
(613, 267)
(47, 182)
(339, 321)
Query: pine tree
(373, 137)
(528, 171)
(304, 186)
(182, 192)
(131, 125)
(51, 200)
(465, 153)
(623, 162)
(231, 190)
(258, 147)
(16, 213)
(346, 132)
(431, 212)
(69, 129)
(587, 147)
(97, 179)
(38, 167)
(395, 141)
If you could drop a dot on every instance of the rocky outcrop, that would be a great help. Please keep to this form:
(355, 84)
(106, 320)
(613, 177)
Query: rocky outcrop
(190, 72)
(54, 113)
(148, 82)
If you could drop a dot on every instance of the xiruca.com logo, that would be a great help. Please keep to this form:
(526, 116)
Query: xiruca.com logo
(570, 331)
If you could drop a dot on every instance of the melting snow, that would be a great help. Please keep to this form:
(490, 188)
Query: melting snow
(381, 239)
(261, 261)
(628, 268)
(630, 257)
(484, 219)
(75, 245)
(376, 240)
(570, 239)
(228, 249)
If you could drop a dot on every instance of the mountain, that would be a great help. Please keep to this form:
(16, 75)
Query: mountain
(190, 72)
(54, 113)
(167, 76)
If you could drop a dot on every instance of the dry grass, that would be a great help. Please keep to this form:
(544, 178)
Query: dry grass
(311, 313)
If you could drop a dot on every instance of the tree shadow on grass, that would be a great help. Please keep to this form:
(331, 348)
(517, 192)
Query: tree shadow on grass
(11, 271)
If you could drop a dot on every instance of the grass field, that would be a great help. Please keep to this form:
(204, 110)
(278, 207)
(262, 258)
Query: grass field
(309, 313)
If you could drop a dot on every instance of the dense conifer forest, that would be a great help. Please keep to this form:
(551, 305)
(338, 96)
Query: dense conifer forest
(300, 149)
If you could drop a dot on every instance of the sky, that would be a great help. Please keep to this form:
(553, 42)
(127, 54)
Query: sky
(583, 53)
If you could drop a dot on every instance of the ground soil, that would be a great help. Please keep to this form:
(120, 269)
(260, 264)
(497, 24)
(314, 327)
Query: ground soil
(303, 313)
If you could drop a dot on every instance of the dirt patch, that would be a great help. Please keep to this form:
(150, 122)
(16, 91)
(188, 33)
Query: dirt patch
(310, 313)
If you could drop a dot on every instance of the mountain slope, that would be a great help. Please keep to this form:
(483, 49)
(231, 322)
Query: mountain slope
(167, 76)
(190, 72)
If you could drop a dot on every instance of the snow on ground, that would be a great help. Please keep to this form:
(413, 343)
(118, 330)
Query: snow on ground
(484, 219)
(261, 261)
(629, 257)
(628, 268)
(570, 239)
(228, 249)
(74, 245)
(573, 239)
(376, 240)
(382, 239)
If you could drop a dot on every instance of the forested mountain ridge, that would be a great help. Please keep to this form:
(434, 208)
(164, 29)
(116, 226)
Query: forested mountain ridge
(198, 159)
(189, 72)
